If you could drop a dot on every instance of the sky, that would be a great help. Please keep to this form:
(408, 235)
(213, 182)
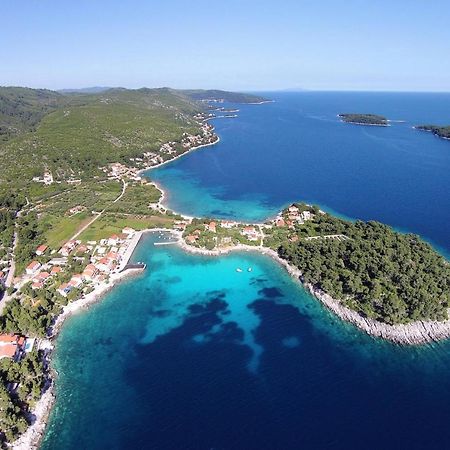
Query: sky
(398, 45)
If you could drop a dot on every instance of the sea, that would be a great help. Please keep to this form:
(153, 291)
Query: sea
(193, 354)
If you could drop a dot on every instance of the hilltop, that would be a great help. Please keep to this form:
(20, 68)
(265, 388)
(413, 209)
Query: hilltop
(21, 109)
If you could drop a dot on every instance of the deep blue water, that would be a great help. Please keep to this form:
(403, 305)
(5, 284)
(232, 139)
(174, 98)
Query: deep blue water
(194, 355)
(297, 149)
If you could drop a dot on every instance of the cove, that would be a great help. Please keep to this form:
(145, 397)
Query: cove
(193, 355)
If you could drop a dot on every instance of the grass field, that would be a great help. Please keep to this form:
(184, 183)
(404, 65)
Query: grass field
(60, 229)
(108, 225)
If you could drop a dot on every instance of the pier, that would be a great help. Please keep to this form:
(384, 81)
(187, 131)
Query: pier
(129, 252)
(136, 266)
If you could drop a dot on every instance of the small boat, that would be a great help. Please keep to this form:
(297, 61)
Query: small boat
(249, 269)
(238, 269)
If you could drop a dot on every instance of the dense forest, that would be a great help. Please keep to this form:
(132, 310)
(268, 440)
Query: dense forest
(443, 132)
(382, 274)
(25, 381)
(364, 119)
(21, 109)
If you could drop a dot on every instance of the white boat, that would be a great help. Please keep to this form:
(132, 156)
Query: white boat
(238, 269)
(249, 269)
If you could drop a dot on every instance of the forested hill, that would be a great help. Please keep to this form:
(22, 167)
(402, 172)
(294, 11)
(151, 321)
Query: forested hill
(21, 109)
(73, 135)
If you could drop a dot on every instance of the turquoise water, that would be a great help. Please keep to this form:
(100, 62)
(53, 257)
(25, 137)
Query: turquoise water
(192, 354)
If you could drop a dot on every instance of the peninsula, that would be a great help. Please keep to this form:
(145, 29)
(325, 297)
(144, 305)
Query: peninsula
(440, 131)
(390, 284)
(364, 119)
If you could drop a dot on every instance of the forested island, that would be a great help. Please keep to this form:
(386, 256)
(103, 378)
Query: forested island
(442, 132)
(364, 119)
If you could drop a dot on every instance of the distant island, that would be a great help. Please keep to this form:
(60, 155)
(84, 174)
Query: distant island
(442, 132)
(364, 119)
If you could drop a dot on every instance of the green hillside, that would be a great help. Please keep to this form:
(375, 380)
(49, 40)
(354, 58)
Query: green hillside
(73, 135)
(21, 109)
(80, 133)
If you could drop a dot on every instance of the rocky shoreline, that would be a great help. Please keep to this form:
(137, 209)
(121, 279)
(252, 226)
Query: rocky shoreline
(415, 333)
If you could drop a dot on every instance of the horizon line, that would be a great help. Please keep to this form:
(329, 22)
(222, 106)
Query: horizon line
(250, 90)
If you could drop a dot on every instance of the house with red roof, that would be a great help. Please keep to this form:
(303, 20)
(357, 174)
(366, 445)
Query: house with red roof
(42, 276)
(67, 248)
(76, 280)
(55, 270)
(33, 267)
(41, 250)
(211, 226)
(89, 272)
(37, 285)
(105, 265)
(191, 239)
(11, 345)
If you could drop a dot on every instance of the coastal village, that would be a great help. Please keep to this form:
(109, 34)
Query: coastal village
(75, 273)
(52, 271)
(222, 235)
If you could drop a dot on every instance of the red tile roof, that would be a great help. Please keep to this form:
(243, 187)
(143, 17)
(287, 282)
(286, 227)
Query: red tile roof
(7, 338)
(33, 265)
(7, 351)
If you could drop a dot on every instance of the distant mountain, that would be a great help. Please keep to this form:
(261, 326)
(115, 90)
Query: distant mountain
(87, 90)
